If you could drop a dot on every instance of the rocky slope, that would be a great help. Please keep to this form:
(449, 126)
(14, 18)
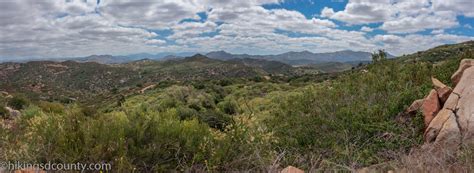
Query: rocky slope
(453, 124)
(448, 115)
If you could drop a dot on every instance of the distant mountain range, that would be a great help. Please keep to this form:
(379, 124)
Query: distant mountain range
(290, 58)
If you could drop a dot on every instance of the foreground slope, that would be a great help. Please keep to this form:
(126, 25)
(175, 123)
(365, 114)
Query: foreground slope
(251, 125)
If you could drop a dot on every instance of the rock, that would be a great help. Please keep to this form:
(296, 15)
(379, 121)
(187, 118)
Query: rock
(363, 170)
(431, 107)
(449, 136)
(415, 106)
(465, 63)
(452, 102)
(443, 90)
(30, 170)
(436, 124)
(437, 84)
(453, 126)
(465, 105)
(291, 169)
(443, 94)
(13, 113)
(464, 83)
(3, 93)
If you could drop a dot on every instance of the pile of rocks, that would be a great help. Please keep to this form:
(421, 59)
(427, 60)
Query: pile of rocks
(449, 113)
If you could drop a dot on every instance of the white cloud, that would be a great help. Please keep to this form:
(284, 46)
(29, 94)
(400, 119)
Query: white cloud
(403, 16)
(192, 29)
(409, 24)
(405, 44)
(80, 28)
(361, 11)
(438, 31)
(367, 29)
(155, 42)
(462, 7)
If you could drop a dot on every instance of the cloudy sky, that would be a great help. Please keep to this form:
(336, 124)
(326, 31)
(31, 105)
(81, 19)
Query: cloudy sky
(58, 28)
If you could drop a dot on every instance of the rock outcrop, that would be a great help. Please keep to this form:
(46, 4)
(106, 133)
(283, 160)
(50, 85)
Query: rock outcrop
(12, 112)
(414, 107)
(442, 90)
(430, 107)
(453, 125)
(465, 64)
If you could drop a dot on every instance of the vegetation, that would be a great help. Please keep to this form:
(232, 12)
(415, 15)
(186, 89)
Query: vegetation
(344, 121)
(18, 102)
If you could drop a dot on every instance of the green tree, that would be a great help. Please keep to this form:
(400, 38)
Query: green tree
(379, 56)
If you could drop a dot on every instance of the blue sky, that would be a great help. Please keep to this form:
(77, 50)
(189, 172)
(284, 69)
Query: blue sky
(35, 29)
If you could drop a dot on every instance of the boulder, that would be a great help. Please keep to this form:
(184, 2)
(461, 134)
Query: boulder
(436, 124)
(3, 93)
(443, 90)
(464, 83)
(414, 107)
(451, 102)
(13, 113)
(30, 170)
(291, 169)
(465, 105)
(431, 107)
(465, 63)
(437, 84)
(449, 136)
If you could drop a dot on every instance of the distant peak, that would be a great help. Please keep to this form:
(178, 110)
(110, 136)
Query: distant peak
(219, 52)
(197, 57)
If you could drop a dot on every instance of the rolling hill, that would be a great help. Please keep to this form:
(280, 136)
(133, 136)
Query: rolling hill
(72, 80)
(301, 58)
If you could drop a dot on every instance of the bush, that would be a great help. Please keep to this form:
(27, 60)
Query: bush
(228, 106)
(3, 112)
(215, 119)
(51, 107)
(18, 102)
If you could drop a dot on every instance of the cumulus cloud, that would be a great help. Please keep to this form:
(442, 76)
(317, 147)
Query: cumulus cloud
(403, 16)
(409, 24)
(367, 29)
(404, 44)
(80, 28)
(462, 7)
(361, 11)
(49, 28)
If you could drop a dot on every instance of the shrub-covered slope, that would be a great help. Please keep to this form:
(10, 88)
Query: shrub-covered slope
(232, 125)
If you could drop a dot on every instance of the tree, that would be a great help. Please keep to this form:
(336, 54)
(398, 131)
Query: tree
(379, 56)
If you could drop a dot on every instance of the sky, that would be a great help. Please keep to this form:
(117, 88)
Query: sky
(74, 28)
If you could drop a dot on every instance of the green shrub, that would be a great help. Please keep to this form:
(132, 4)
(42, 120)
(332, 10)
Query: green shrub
(3, 112)
(228, 106)
(18, 102)
(215, 119)
(51, 107)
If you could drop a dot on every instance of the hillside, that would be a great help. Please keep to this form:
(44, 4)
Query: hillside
(331, 67)
(70, 80)
(301, 58)
(220, 117)
(65, 81)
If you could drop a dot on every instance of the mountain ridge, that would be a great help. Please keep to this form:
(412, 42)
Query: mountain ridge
(292, 57)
